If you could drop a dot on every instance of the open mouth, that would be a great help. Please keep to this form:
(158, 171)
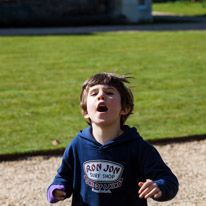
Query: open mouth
(102, 107)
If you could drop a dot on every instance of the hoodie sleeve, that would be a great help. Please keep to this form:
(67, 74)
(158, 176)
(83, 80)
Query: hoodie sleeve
(50, 196)
(156, 170)
(64, 175)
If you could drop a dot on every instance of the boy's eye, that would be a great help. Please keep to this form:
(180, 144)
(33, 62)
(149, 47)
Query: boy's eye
(93, 94)
(109, 93)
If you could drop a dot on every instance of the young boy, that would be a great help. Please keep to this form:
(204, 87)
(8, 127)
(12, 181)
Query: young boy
(108, 163)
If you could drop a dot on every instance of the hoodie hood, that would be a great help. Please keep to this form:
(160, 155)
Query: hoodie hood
(129, 134)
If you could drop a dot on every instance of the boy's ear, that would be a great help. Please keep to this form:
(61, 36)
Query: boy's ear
(85, 114)
(125, 111)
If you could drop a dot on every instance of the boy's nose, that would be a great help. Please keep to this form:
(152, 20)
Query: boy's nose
(101, 96)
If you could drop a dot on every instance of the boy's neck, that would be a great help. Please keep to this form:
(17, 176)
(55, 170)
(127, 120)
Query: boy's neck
(106, 133)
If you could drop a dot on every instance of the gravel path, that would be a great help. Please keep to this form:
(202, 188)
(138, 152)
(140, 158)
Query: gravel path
(24, 182)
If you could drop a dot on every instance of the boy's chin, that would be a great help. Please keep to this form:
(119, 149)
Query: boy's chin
(105, 123)
(100, 123)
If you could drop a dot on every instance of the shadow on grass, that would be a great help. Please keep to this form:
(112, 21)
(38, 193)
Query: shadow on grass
(159, 19)
(160, 23)
(59, 152)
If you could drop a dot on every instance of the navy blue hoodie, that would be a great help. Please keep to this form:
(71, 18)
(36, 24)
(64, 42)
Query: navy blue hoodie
(104, 175)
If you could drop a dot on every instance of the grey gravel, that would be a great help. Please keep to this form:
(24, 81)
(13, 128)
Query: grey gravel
(25, 182)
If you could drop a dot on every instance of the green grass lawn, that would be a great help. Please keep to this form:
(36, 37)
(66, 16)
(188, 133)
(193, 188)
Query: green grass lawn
(181, 7)
(41, 78)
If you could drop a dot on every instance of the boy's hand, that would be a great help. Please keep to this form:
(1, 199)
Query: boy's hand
(59, 194)
(149, 189)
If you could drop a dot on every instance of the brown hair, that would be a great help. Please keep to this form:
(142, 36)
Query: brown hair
(113, 80)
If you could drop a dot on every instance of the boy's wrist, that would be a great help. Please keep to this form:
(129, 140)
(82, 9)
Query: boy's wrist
(50, 195)
(161, 186)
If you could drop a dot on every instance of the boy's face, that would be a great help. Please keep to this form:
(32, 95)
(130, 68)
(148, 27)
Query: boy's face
(103, 105)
